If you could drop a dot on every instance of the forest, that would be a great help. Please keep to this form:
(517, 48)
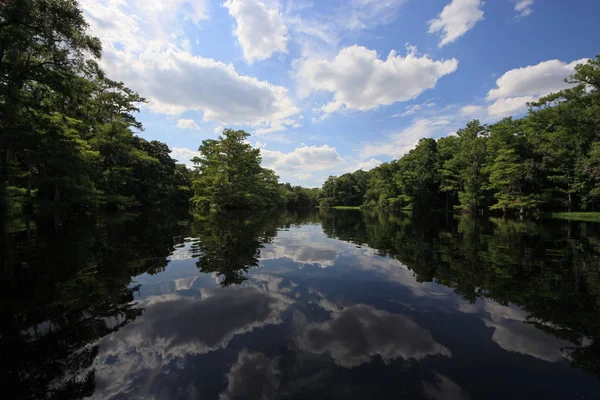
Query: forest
(548, 160)
(70, 141)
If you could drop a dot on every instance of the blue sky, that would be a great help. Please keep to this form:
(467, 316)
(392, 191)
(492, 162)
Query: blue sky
(328, 87)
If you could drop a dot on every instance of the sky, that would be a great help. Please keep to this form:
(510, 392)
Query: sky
(326, 87)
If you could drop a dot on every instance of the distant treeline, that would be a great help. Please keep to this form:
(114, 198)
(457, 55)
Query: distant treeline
(548, 160)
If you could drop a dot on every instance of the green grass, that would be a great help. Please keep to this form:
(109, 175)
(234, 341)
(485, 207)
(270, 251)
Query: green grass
(575, 216)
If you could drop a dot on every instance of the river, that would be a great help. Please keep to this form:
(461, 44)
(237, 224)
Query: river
(300, 304)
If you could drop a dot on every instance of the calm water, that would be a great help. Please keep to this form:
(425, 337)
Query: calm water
(309, 304)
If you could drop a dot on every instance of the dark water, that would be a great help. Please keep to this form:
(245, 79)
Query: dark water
(300, 305)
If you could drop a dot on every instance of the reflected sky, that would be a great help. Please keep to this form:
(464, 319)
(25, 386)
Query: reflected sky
(322, 315)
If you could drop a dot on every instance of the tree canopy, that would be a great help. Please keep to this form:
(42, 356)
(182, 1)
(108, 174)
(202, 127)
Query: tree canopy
(68, 133)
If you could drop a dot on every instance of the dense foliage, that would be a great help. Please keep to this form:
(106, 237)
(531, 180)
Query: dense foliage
(548, 160)
(228, 174)
(67, 131)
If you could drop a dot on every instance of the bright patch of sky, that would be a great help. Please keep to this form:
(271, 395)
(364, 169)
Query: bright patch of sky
(329, 87)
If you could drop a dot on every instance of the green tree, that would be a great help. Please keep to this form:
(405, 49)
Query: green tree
(229, 175)
(418, 178)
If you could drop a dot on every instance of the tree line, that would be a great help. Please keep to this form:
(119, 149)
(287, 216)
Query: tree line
(548, 160)
(69, 138)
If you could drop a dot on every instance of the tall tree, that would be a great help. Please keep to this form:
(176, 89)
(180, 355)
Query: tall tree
(229, 175)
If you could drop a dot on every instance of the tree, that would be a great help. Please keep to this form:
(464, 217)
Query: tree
(229, 175)
(510, 168)
(418, 178)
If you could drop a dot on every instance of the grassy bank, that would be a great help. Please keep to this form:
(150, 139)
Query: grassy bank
(575, 216)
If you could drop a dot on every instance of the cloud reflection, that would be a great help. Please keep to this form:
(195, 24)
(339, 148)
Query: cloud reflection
(174, 326)
(357, 334)
(253, 376)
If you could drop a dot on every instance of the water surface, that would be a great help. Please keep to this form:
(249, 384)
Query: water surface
(296, 305)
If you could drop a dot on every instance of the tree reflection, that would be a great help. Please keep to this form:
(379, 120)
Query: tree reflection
(65, 285)
(550, 269)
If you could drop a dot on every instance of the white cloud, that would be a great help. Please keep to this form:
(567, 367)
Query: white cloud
(471, 110)
(534, 80)
(350, 16)
(187, 124)
(363, 14)
(366, 165)
(184, 155)
(523, 7)
(260, 30)
(175, 81)
(456, 19)
(521, 85)
(510, 106)
(144, 48)
(359, 80)
(400, 143)
(139, 25)
(302, 159)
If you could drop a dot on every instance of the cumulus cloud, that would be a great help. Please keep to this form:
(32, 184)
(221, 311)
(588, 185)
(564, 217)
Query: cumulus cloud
(253, 376)
(302, 160)
(175, 81)
(521, 85)
(139, 25)
(456, 19)
(260, 30)
(523, 7)
(149, 52)
(187, 124)
(359, 80)
(357, 334)
(510, 106)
